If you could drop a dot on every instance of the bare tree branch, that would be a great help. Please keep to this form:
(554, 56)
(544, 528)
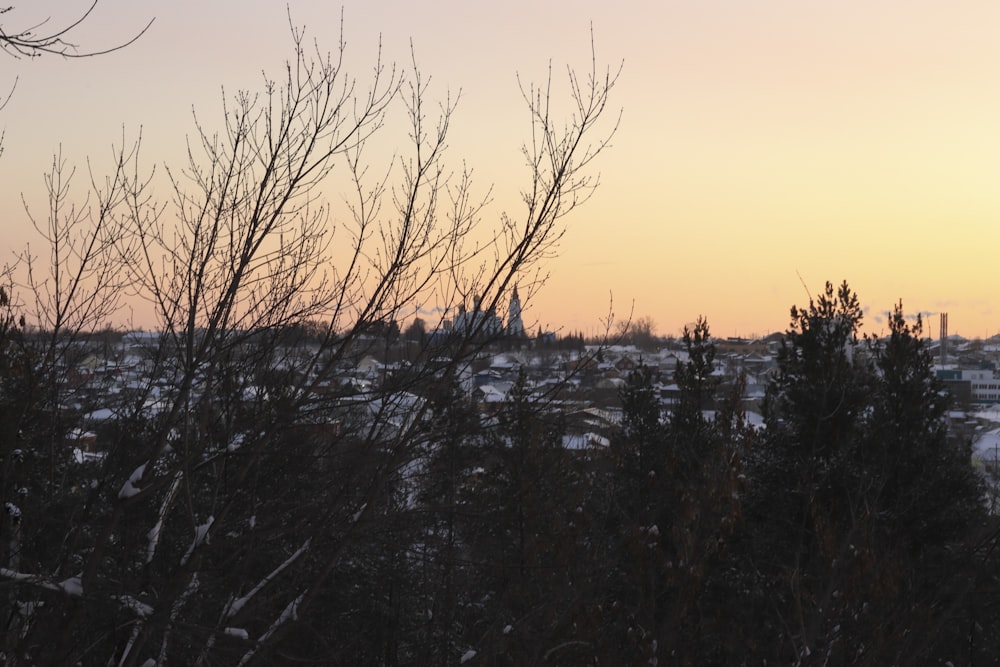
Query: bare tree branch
(41, 39)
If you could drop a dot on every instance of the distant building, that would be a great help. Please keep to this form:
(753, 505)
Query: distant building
(985, 387)
(141, 338)
(515, 327)
(483, 324)
(477, 321)
(978, 385)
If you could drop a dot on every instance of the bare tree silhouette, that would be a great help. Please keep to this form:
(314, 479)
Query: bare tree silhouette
(43, 39)
(243, 474)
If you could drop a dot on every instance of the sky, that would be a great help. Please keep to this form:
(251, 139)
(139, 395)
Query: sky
(765, 147)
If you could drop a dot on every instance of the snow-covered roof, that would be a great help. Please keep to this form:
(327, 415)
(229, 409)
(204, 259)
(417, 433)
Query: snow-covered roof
(986, 447)
(578, 441)
(494, 393)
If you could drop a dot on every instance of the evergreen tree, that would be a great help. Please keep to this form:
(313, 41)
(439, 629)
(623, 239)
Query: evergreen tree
(448, 585)
(923, 501)
(845, 554)
(922, 480)
(677, 496)
(639, 450)
(527, 536)
(695, 380)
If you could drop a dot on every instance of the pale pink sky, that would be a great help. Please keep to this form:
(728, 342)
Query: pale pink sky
(760, 140)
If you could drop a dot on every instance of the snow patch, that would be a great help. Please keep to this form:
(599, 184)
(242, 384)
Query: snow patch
(153, 536)
(234, 606)
(235, 443)
(135, 606)
(72, 586)
(200, 538)
(467, 656)
(129, 488)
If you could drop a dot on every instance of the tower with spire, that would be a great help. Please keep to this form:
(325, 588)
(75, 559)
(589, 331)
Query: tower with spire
(515, 327)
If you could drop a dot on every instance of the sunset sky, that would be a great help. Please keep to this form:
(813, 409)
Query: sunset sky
(764, 143)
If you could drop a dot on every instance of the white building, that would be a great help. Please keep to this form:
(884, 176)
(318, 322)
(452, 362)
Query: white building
(478, 321)
(984, 385)
(515, 327)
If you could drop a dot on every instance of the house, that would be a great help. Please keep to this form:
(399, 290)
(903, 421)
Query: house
(626, 364)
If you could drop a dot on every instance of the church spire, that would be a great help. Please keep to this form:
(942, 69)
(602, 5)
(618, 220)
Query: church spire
(515, 327)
